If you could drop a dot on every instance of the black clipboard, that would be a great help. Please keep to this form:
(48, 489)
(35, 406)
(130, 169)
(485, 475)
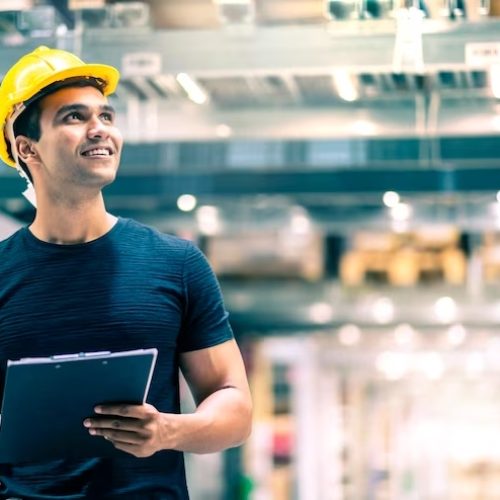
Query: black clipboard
(46, 400)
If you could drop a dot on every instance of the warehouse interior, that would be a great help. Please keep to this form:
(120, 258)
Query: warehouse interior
(338, 161)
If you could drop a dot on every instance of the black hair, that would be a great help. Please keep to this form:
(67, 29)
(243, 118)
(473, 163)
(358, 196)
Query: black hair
(28, 122)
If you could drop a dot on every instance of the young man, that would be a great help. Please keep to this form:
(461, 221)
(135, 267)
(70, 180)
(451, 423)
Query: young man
(80, 279)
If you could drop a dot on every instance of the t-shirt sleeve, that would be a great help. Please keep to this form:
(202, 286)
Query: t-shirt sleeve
(205, 322)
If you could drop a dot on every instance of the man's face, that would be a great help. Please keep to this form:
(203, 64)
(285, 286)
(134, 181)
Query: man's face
(79, 146)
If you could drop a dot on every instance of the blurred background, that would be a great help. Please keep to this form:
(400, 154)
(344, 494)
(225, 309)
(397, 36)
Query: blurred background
(338, 161)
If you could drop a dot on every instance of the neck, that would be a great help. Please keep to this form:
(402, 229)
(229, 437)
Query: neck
(68, 223)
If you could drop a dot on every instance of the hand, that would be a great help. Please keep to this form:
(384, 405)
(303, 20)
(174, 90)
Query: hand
(135, 429)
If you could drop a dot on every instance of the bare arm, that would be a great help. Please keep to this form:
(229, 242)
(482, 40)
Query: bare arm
(217, 379)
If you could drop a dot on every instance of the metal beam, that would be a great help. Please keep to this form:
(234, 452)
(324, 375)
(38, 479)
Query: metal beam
(361, 46)
(303, 48)
(167, 186)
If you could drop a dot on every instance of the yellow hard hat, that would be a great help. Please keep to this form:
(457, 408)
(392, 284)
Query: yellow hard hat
(36, 71)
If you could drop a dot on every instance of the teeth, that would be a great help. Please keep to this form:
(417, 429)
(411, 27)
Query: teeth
(95, 152)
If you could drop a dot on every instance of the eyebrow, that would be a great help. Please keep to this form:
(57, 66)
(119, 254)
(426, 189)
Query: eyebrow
(81, 107)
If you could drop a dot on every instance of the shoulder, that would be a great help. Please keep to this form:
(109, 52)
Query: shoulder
(13, 254)
(154, 244)
(139, 236)
(12, 241)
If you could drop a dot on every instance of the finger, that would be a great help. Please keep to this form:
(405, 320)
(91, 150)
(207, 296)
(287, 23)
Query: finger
(123, 437)
(128, 424)
(134, 411)
(120, 410)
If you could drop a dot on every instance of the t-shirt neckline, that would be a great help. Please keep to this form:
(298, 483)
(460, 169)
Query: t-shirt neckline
(31, 239)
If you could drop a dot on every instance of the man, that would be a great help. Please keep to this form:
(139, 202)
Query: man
(80, 279)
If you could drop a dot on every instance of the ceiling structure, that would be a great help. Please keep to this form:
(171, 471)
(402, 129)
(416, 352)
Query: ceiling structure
(281, 98)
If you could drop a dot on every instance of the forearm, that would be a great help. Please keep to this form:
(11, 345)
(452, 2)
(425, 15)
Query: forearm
(221, 421)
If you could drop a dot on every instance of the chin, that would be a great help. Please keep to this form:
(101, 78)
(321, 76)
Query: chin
(100, 179)
(108, 179)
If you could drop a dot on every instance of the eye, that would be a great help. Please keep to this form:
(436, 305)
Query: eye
(107, 117)
(73, 116)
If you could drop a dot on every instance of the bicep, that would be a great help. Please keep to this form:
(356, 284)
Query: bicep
(213, 368)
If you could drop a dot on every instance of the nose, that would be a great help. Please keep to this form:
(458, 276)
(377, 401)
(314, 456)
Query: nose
(97, 129)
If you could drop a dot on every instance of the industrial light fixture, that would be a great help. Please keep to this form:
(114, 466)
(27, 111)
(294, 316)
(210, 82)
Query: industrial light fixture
(344, 85)
(495, 80)
(456, 334)
(401, 212)
(392, 364)
(494, 209)
(300, 222)
(391, 199)
(445, 309)
(186, 202)
(404, 334)
(495, 122)
(236, 11)
(208, 219)
(408, 54)
(321, 313)
(192, 88)
(364, 127)
(383, 310)
(349, 335)
(223, 131)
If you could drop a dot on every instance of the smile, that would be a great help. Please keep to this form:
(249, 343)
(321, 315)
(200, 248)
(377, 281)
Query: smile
(97, 152)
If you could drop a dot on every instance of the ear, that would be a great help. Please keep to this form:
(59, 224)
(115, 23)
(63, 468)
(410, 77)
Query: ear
(26, 149)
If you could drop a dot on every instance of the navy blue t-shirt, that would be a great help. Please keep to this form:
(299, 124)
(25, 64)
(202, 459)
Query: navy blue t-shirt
(132, 288)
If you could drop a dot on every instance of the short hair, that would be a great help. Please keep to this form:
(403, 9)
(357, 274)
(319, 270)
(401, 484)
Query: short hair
(28, 122)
